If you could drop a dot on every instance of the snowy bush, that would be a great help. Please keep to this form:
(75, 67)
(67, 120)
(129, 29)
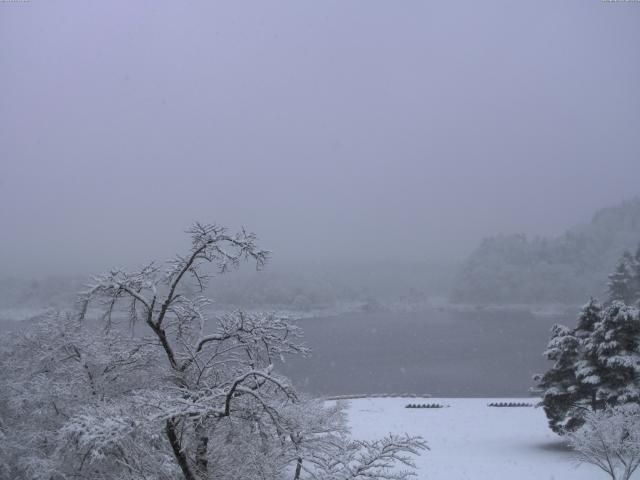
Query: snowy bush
(610, 440)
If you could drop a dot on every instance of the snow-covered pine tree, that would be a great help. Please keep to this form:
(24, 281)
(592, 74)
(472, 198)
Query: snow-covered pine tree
(588, 371)
(614, 346)
(569, 386)
(621, 282)
(590, 315)
(596, 365)
(559, 384)
(624, 282)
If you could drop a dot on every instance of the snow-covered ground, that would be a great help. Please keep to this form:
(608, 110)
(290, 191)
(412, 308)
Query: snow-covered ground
(471, 441)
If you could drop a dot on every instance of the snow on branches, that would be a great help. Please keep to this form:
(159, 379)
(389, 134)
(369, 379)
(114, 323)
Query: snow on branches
(596, 365)
(610, 440)
(160, 388)
(357, 459)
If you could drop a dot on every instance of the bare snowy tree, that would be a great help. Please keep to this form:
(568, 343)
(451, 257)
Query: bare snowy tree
(610, 440)
(357, 459)
(159, 390)
(211, 375)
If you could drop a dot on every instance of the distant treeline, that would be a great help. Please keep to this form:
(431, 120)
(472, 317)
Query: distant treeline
(281, 285)
(569, 268)
(57, 291)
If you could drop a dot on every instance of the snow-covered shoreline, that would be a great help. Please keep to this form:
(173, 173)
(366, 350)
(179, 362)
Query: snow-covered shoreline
(471, 441)
(18, 314)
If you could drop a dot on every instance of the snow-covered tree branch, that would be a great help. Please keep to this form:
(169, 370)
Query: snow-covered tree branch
(610, 440)
(155, 386)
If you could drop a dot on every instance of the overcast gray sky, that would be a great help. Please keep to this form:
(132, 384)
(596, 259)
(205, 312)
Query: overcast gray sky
(334, 129)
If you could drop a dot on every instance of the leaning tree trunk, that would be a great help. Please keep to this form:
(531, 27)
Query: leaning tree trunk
(181, 458)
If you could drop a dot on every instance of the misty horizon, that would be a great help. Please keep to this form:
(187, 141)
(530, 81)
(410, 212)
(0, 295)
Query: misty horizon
(435, 126)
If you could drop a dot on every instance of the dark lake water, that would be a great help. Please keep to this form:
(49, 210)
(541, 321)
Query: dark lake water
(480, 353)
(434, 352)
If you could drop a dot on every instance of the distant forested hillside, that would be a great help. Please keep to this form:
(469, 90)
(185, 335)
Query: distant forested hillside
(566, 269)
(281, 285)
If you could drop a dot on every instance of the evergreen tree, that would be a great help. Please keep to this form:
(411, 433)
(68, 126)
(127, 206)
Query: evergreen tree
(559, 383)
(588, 371)
(589, 316)
(569, 386)
(615, 347)
(624, 283)
(620, 287)
(596, 365)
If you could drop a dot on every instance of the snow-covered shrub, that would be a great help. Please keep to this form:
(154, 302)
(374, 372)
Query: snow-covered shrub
(610, 440)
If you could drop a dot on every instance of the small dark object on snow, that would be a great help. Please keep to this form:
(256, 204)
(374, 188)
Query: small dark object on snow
(425, 405)
(510, 404)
